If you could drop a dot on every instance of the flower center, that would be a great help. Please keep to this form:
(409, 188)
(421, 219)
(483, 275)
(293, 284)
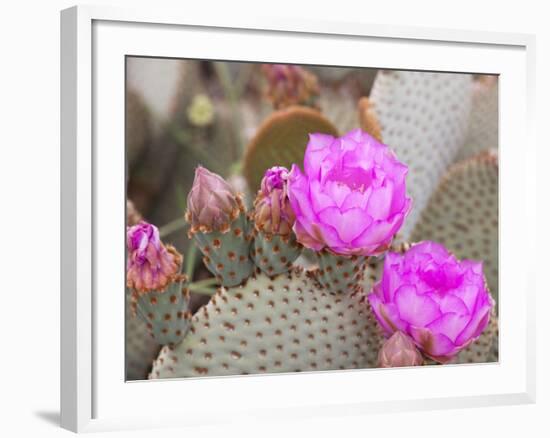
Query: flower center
(356, 179)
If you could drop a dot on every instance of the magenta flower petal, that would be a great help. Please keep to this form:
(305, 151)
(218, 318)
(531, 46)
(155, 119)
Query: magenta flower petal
(476, 326)
(449, 324)
(316, 151)
(441, 302)
(387, 315)
(380, 201)
(150, 265)
(419, 310)
(319, 199)
(273, 213)
(450, 303)
(356, 199)
(379, 233)
(306, 237)
(349, 224)
(351, 198)
(436, 345)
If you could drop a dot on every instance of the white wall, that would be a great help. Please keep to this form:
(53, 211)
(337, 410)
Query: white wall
(29, 206)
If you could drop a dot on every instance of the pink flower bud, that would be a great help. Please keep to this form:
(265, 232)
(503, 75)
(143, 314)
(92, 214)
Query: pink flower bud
(290, 85)
(212, 204)
(151, 265)
(272, 211)
(399, 351)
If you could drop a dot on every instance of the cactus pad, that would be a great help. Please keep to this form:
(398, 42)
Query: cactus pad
(141, 348)
(282, 140)
(340, 274)
(424, 119)
(483, 126)
(274, 254)
(281, 324)
(165, 312)
(463, 214)
(226, 254)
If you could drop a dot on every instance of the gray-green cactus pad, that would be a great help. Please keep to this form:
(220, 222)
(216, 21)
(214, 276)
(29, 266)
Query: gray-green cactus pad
(141, 348)
(226, 255)
(424, 118)
(284, 324)
(274, 254)
(463, 214)
(165, 313)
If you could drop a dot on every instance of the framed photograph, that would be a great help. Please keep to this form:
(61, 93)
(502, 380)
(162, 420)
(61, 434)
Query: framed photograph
(257, 208)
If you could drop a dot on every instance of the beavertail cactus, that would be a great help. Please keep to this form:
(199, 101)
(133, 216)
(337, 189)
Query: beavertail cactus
(280, 324)
(365, 296)
(442, 303)
(275, 247)
(463, 213)
(165, 312)
(424, 119)
(220, 227)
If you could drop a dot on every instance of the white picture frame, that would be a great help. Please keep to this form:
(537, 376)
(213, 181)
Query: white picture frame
(94, 41)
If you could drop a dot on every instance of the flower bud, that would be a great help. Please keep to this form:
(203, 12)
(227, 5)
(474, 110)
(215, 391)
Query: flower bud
(399, 351)
(272, 211)
(151, 265)
(290, 85)
(212, 204)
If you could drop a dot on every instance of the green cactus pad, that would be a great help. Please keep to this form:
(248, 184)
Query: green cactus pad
(226, 255)
(424, 119)
(141, 348)
(340, 274)
(274, 254)
(281, 140)
(483, 125)
(165, 313)
(281, 324)
(463, 214)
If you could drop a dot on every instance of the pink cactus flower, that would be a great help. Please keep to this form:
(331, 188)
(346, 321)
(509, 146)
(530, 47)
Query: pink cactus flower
(351, 197)
(442, 303)
(399, 351)
(151, 265)
(272, 211)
